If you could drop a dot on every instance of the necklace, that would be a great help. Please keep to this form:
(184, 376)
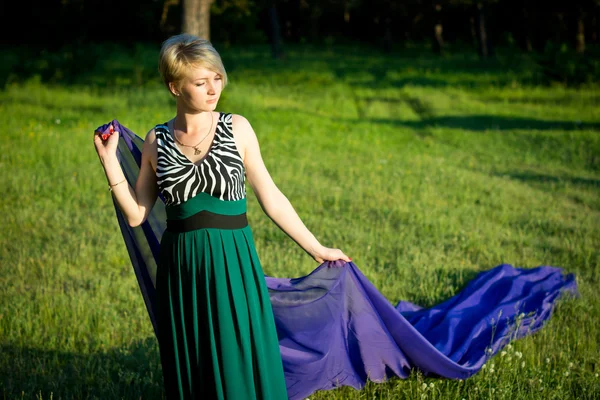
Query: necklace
(196, 149)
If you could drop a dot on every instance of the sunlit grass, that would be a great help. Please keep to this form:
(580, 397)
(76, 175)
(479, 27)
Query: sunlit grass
(424, 171)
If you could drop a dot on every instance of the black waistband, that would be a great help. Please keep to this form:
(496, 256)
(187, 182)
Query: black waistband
(207, 219)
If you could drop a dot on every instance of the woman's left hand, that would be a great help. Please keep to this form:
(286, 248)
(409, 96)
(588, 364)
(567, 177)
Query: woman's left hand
(328, 254)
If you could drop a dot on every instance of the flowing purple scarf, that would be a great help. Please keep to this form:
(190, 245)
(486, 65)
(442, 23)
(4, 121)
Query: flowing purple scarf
(336, 329)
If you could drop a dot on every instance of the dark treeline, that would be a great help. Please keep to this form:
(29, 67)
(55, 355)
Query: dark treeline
(54, 39)
(528, 24)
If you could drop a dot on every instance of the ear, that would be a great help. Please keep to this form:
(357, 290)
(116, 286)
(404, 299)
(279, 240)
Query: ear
(173, 89)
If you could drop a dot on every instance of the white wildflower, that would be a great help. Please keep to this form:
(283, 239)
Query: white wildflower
(483, 366)
(566, 373)
(547, 361)
(522, 364)
(570, 365)
(431, 385)
(509, 346)
(503, 353)
(518, 354)
(596, 375)
(57, 121)
(508, 359)
(424, 386)
(540, 380)
(493, 366)
(491, 370)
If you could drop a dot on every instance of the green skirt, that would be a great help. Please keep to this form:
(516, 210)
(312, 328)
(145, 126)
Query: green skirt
(216, 330)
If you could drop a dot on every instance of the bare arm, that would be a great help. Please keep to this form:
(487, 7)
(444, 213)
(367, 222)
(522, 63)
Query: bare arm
(135, 204)
(273, 202)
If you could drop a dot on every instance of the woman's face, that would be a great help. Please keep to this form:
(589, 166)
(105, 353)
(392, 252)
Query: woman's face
(201, 89)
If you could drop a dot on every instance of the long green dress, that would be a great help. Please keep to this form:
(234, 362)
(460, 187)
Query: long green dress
(216, 329)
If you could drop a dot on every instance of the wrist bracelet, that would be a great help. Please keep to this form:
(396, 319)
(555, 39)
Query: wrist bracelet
(110, 186)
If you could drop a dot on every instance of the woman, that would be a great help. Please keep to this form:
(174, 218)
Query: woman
(216, 334)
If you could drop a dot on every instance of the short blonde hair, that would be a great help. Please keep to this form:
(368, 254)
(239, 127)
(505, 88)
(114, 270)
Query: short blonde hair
(180, 53)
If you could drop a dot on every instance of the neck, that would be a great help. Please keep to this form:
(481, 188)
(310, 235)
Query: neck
(192, 123)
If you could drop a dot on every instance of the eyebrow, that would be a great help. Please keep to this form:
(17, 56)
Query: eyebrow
(205, 78)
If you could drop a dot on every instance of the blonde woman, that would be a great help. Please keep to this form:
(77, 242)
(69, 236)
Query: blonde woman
(216, 331)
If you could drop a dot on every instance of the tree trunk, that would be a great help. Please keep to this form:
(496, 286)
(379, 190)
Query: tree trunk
(276, 42)
(580, 40)
(438, 38)
(482, 32)
(527, 42)
(474, 36)
(387, 36)
(196, 17)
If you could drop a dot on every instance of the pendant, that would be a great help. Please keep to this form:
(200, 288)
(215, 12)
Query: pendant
(197, 151)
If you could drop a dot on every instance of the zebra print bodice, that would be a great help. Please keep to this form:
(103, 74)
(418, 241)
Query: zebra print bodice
(220, 173)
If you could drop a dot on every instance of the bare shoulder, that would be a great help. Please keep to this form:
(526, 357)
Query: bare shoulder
(150, 149)
(240, 125)
(150, 136)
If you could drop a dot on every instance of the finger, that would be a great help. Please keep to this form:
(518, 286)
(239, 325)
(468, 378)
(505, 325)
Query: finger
(344, 256)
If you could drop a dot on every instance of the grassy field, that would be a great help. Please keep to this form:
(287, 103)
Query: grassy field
(424, 170)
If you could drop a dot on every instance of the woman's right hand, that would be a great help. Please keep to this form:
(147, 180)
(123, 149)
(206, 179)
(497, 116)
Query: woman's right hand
(106, 148)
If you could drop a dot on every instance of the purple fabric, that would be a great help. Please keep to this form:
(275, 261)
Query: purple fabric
(336, 329)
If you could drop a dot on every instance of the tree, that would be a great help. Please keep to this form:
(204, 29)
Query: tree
(196, 17)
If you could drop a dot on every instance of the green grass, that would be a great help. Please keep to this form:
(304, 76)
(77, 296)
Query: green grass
(424, 170)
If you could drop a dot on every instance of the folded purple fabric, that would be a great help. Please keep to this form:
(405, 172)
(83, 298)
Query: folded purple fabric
(336, 329)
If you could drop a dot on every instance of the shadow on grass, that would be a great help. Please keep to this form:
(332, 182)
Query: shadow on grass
(530, 177)
(475, 123)
(131, 372)
(479, 123)
(49, 105)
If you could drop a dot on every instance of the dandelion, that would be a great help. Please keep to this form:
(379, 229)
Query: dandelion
(492, 366)
(491, 370)
(483, 366)
(503, 353)
(424, 386)
(508, 359)
(566, 373)
(518, 354)
(596, 375)
(547, 361)
(570, 365)
(509, 347)
(431, 385)
(522, 364)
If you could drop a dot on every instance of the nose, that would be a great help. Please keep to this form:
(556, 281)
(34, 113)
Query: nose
(211, 88)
